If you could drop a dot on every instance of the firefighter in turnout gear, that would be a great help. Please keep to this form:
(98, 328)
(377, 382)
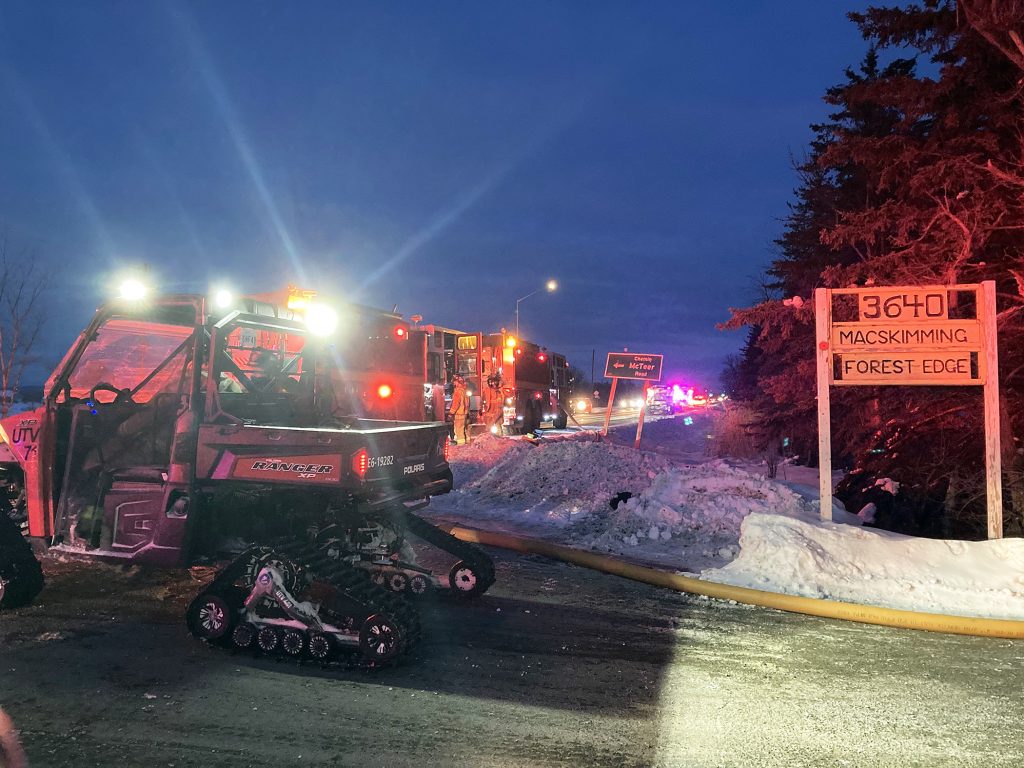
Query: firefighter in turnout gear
(459, 410)
(495, 401)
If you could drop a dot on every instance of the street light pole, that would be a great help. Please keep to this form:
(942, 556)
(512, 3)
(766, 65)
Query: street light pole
(551, 286)
(517, 310)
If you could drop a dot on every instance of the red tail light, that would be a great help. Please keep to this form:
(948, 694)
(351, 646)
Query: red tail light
(447, 447)
(384, 391)
(401, 332)
(360, 462)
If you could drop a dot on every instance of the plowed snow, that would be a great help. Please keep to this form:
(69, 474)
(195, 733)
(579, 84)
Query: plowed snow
(722, 519)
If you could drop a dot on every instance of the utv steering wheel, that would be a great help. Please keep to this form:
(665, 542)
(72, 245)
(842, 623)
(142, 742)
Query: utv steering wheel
(120, 395)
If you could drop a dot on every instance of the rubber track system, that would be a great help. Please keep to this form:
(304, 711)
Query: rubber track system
(21, 576)
(466, 552)
(313, 561)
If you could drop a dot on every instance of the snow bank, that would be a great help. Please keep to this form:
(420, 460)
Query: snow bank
(729, 523)
(681, 516)
(550, 483)
(470, 461)
(863, 565)
(691, 516)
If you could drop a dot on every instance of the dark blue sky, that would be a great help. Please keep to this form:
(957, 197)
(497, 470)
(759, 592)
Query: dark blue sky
(445, 157)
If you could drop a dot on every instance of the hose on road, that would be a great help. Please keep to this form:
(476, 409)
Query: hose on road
(830, 609)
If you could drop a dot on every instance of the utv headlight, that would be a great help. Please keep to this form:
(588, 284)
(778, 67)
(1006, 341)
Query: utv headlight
(321, 320)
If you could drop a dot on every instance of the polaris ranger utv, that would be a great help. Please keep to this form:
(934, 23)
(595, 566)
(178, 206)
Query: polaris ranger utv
(171, 430)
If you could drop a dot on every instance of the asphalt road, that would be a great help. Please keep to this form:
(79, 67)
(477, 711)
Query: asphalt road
(556, 666)
(596, 418)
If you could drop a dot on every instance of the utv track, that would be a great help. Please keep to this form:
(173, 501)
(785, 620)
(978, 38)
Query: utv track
(473, 574)
(359, 624)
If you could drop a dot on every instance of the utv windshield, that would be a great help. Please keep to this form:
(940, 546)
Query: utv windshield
(263, 374)
(141, 359)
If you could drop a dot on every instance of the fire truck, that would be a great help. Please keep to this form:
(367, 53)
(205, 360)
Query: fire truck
(379, 372)
(439, 367)
(514, 385)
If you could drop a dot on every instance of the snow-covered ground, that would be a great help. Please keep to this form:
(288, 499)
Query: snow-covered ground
(721, 519)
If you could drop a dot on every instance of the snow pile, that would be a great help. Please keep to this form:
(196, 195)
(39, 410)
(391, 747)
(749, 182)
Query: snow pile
(863, 565)
(729, 523)
(550, 483)
(694, 513)
(470, 461)
(680, 516)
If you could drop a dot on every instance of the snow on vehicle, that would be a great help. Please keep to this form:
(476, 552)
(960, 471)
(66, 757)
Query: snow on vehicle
(171, 426)
(514, 385)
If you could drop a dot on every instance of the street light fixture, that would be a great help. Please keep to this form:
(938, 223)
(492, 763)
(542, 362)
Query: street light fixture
(551, 286)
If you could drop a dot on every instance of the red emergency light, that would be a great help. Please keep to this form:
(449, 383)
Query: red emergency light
(401, 332)
(360, 462)
(384, 391)
(519, 351)
(541, 357)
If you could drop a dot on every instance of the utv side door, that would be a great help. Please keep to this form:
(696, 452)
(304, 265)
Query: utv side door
(121, 406)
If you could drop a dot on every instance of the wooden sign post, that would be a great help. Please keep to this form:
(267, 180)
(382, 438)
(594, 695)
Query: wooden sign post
(904, 336)
(640, 419)
(608, 409)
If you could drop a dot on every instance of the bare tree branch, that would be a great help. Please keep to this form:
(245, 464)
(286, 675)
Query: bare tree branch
(22, 284)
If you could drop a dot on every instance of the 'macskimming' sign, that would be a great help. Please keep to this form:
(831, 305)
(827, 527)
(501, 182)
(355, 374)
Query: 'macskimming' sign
(905, 336)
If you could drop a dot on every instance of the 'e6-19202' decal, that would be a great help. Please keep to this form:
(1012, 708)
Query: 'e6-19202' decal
(316, 469)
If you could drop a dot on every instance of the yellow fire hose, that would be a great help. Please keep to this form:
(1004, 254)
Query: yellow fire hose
(830, 609)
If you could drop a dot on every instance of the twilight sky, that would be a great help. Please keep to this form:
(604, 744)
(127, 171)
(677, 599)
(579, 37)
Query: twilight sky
(447, 157)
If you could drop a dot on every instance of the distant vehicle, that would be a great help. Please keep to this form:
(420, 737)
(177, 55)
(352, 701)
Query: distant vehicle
(682, 397)
(581, 404)
(659, 401)
(514, 385)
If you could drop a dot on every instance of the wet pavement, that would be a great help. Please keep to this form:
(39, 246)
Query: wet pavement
(556, 666)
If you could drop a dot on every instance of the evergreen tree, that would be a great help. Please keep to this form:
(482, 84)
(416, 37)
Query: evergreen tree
(918, 178)
(779, 361)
